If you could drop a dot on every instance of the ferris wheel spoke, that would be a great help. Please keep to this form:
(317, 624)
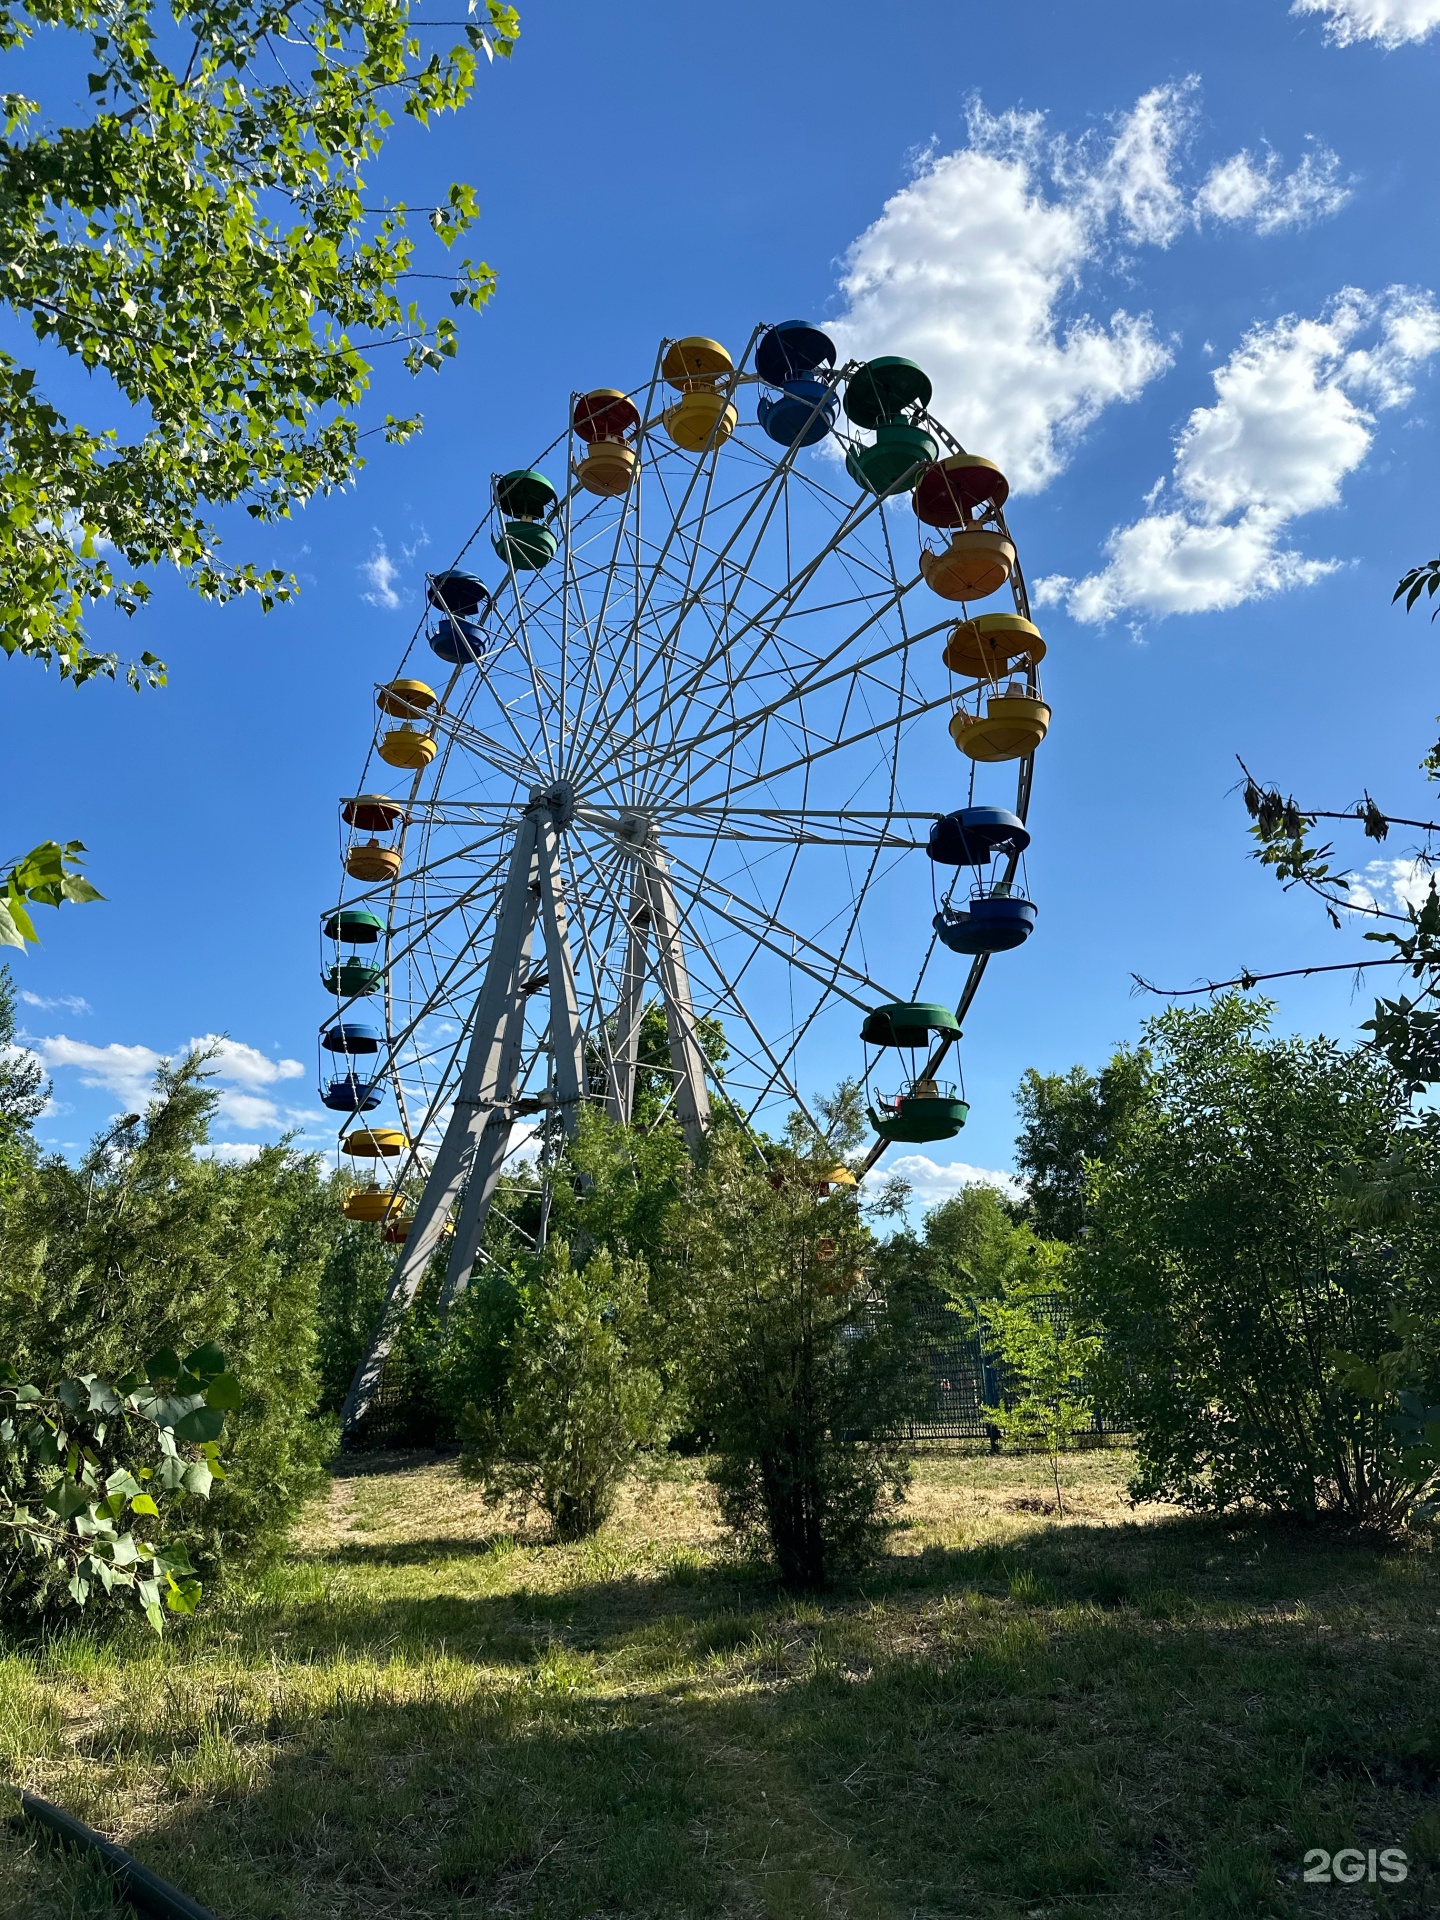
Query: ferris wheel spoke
(917, 712)
(732, 1000)
(429, 922)
(763, 928)
(823, 674)
(773, 613)
(627, 521)
(475, 740)
(825, 671)
(544, 697)
(802, 837)
(772, 487)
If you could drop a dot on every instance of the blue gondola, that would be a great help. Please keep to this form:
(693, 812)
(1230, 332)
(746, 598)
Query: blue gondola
(800, 414)
(998, 921)
(460, 594)
(972, 836)
(352, 1036)
(350, 1094)
(790, 357)
(459, 643)
(792, 350)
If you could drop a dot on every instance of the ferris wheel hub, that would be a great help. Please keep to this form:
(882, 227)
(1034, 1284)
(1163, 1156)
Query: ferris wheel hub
(558, 800)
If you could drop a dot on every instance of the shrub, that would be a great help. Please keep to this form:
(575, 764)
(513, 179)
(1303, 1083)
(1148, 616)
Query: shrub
(578, 1401)
(1235, 1252)
(1048, 1358)
(146, 1246)
(90, 1472)
(797, 1367)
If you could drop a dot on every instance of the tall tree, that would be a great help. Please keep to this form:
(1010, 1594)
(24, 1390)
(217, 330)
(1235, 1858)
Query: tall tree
(1235, 1251)
(204, 238)
(1071, 1119)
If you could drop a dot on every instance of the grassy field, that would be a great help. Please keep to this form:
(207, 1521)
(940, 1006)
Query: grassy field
(423, 1714)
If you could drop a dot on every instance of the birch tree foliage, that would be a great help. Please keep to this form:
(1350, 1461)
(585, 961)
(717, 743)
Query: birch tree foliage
(205, 238)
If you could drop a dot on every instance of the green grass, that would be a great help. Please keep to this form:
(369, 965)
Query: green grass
(423, 1714)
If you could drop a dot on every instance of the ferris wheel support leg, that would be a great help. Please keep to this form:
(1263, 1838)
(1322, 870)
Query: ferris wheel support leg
(567, 1042)
(479, 1127)
(687, 1058)
(620, 1100)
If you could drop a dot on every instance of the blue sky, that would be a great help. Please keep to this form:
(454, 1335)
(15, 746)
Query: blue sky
(1173, 268)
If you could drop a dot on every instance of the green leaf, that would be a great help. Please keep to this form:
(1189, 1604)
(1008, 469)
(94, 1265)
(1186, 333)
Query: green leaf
(171, 1476)
(65, 1499)
(182, 1596)
(224, 1393)
(205, 1362)
(143, 1503)
(199, 1479)
(205, 1423)
(164, 1365)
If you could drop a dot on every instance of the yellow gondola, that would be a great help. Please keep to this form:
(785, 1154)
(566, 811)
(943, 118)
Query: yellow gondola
(370, 861)
(992, 645)
(702, 417)
(368, 1203)
(976, 563)
(1013, 724)
(373, 1143)
(405, 699)
(405, 747)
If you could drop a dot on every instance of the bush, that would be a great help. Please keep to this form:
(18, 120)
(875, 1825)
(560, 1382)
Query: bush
(1047, 1357)
(797, 1367)
(145, 1246)
(577, 1402)
(1236, 1251)
(92, 1473)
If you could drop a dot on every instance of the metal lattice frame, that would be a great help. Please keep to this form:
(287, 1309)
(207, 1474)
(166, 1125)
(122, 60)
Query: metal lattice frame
(690, 758)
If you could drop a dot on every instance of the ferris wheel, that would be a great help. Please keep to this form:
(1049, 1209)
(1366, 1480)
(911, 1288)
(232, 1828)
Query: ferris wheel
(678, 793)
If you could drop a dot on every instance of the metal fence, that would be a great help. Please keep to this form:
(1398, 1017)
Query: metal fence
(960, 1376)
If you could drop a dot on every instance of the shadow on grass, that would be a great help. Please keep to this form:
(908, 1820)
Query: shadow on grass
(1175, 1569)
(406, 1553)
(1126, 1763)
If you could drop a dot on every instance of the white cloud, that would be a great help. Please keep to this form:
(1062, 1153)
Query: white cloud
(129, 1072)
(249, 1110)
(64, 1002)
(1290, 421)
(1241, 191)
(126, 1071)
(973, 269)
(1394, 23)
(246, 1066)
(968, 271)
(382, 575)
(1392, 885)
(930, 1183)
(238, 1150)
